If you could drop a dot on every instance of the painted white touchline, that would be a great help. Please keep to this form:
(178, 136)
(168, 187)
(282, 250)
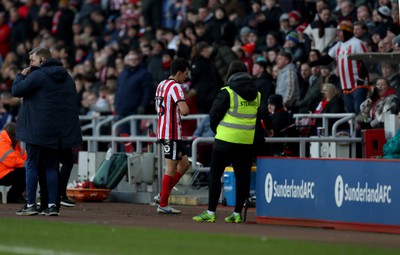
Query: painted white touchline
(35, 251)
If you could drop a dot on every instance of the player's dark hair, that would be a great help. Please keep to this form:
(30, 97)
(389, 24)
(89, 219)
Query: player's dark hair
(179, 64)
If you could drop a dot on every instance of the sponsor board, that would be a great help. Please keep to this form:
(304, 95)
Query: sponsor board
(359, 191)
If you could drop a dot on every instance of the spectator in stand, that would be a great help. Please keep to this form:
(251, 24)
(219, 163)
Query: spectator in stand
(304, 74)
(203, 149)
(222, 56)
(295, 19)
(272, 41)
(43, 19)
(263, 80)
(312, 95)
(12, 171)
(256, 19)
(4, 36)
(202, 32)
(382, 100)
(353, 74)
(62, 23)
(329, 76)
(284, 26)
(270, 57)
(134, 89)
(386, 17)
(274, 74)
(395, 4)
(361, 31)
(19, 29)
(205, 87)
(161, 71)
(319, 5)
(390, 72)
(187, 38)
(280, 121)
(331, 103)
(243, 37)
(272, 12)
(287, 84)
(204, 129)
(322, 31)
(291, 46)
(396, 44)
(221, 28)
(347, 11)
(364, 15)
(152, 13)
(206, 15)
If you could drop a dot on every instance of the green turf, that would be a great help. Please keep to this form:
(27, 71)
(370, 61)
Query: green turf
(49, 237)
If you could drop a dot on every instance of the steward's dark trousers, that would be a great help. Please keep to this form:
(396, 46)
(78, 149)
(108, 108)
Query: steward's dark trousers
(241, 159)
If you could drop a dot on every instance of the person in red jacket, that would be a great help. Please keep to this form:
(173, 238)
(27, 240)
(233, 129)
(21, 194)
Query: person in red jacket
(12, 171)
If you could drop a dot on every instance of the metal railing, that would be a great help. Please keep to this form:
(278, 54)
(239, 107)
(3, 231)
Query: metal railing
(156, 148)
(97, 122)
(343, 118)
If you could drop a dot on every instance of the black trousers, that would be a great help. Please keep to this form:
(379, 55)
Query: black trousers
(66, 157)
(241, 159)
(16, 179)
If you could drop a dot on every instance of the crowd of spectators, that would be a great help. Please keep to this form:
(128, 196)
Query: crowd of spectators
(118, 51)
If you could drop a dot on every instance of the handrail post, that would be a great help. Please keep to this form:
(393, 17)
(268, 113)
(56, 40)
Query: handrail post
(159, 167)
(302, 149)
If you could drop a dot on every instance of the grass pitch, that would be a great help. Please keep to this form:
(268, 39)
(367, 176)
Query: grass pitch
(26, 236)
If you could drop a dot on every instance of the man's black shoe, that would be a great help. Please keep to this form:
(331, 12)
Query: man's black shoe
(65, 201)
(28, 211)
(51, 211)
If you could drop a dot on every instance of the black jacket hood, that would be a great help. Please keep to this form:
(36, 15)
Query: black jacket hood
(54, 69)
(243, 84)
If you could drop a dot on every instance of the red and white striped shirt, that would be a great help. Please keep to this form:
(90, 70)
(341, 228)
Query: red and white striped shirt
(168, 94)
(349, 70)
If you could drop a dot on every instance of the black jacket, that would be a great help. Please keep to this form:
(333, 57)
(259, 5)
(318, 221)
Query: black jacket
(243, 84)
(48, 115)
(204, 78)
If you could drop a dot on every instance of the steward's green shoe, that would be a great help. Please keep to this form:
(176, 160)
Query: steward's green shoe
(233, 219)
(205, 217)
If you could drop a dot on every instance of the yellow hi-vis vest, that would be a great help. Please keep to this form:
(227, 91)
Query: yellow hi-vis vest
(239, 123)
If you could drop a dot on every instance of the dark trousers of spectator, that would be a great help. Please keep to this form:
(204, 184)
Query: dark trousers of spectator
(67, 163)
(15, 179)
(241, 161)
(42, 164)
(353, 100)
(66, 157)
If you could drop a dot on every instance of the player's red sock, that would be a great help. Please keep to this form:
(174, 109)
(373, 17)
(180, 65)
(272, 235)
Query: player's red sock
(176, 178)
(166, 188)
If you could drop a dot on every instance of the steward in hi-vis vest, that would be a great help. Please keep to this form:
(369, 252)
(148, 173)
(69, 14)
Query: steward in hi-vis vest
(234, 117)
(239, 122)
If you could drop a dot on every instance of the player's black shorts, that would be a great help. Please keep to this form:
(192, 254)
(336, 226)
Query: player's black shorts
(173, 149)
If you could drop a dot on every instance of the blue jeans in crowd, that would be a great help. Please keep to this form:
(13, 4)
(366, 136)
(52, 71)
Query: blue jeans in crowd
(42, 160)
(353, 100)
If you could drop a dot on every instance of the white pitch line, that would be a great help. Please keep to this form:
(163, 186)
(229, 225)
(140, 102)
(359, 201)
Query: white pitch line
(35, 251)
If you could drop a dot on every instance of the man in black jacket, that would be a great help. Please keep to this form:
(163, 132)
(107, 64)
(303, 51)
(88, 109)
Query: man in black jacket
(48, 121)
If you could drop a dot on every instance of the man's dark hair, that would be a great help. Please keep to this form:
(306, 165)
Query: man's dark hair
(179, 64)
(41, 52)
(285, 54)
